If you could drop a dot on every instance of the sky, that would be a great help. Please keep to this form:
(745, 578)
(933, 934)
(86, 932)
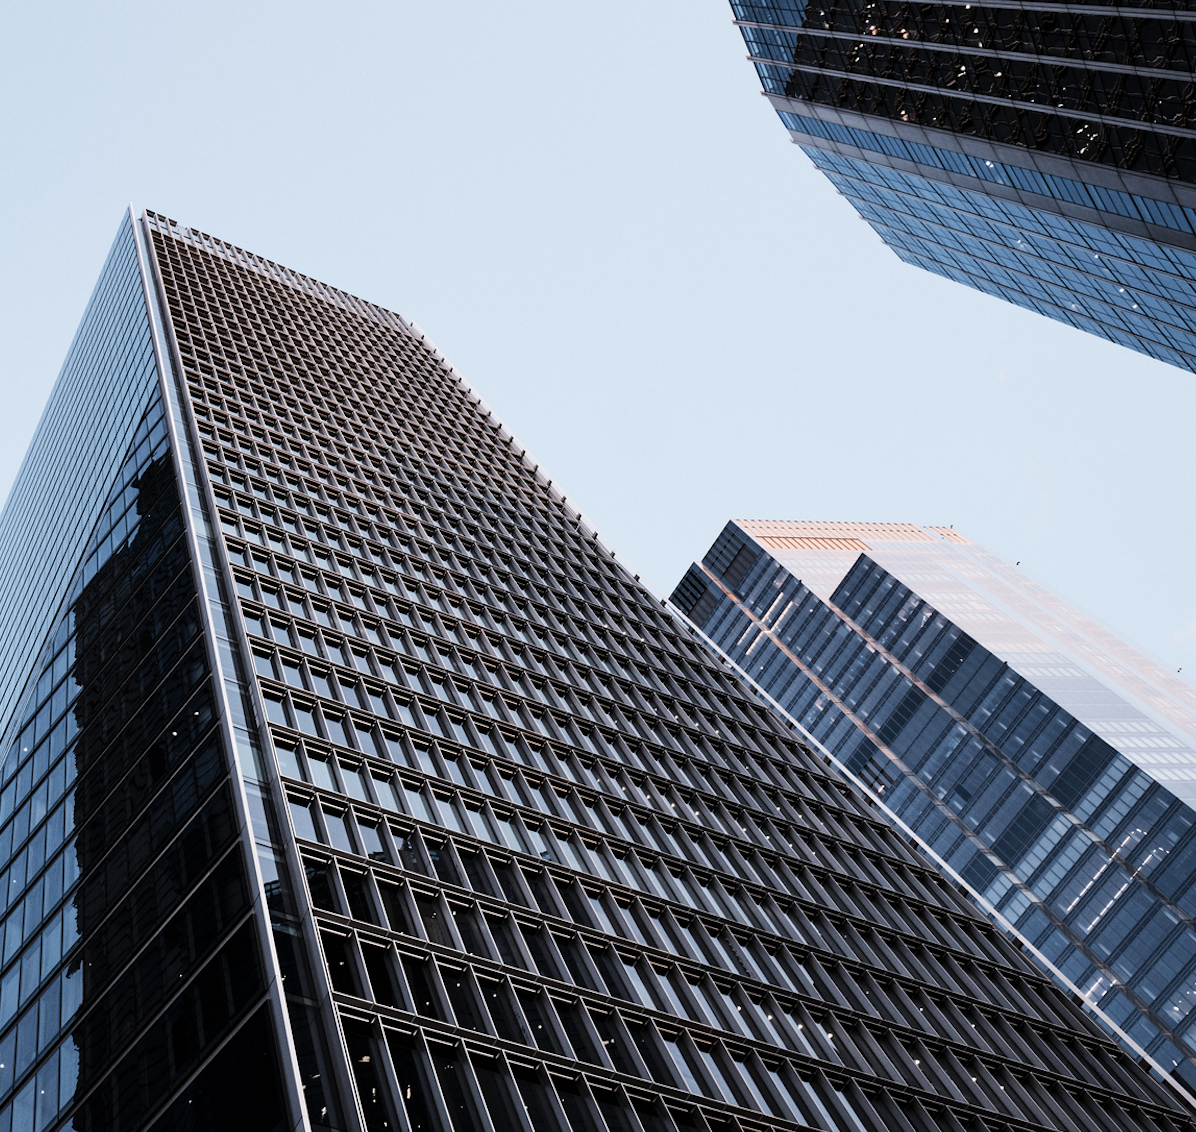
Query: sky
(593, 212)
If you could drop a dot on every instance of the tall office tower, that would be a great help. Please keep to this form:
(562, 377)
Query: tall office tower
(1043, 153)
(1041, 761)
(352, 784)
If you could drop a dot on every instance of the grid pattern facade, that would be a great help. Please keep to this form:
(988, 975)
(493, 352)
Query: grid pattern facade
(534, 859)
(1042, 156)
(1083, 854)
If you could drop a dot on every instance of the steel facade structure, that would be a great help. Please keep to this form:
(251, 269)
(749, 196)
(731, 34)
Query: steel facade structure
(1043, 762)
(1044, 153)
(356, 785)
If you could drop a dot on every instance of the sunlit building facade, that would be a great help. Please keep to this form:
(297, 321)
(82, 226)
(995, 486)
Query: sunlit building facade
(1044, 154)
(1048, 766)
(350, 783)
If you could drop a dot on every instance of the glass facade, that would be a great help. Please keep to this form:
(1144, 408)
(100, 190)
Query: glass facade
(1044, 157)
(1041, 762)
(131, 971)
(358, 787)
(75, 453)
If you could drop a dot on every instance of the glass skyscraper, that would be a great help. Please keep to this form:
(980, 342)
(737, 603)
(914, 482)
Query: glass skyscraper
(1045, 764)
(1043, 153)
(350, 783)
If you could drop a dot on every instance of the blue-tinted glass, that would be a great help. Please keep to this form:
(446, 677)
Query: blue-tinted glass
(1046, 822)
(81, 439)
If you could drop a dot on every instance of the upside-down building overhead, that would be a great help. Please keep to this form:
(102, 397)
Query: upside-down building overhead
(1043, 153)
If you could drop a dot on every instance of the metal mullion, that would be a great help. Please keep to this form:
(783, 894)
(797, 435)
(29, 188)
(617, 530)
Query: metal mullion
(752, 886)
(911, 963)
(426, 1070)
(842, 1013)
(471, 1040)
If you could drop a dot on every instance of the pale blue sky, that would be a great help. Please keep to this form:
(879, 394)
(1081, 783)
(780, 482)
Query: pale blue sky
(595, 215)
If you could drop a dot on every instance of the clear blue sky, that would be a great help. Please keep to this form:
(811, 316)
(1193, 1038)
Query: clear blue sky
(596, 216)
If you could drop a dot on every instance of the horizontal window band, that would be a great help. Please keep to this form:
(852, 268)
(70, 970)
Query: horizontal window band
(383, 768)
(809, 908)
(419, 949)
(1135, 125)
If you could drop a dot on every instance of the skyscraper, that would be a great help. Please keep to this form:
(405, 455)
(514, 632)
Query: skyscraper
(1042, 153)
(1043, 762)
(351, 783)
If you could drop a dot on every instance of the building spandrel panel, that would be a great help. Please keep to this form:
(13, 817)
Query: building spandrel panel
(1042, 155)
(533, 856)
(1045, 764)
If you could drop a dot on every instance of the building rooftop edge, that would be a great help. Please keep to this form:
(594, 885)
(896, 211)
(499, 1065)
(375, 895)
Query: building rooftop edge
(277, 271)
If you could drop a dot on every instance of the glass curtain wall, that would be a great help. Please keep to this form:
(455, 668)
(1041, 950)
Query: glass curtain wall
(1081, 853)
(1044, 154)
